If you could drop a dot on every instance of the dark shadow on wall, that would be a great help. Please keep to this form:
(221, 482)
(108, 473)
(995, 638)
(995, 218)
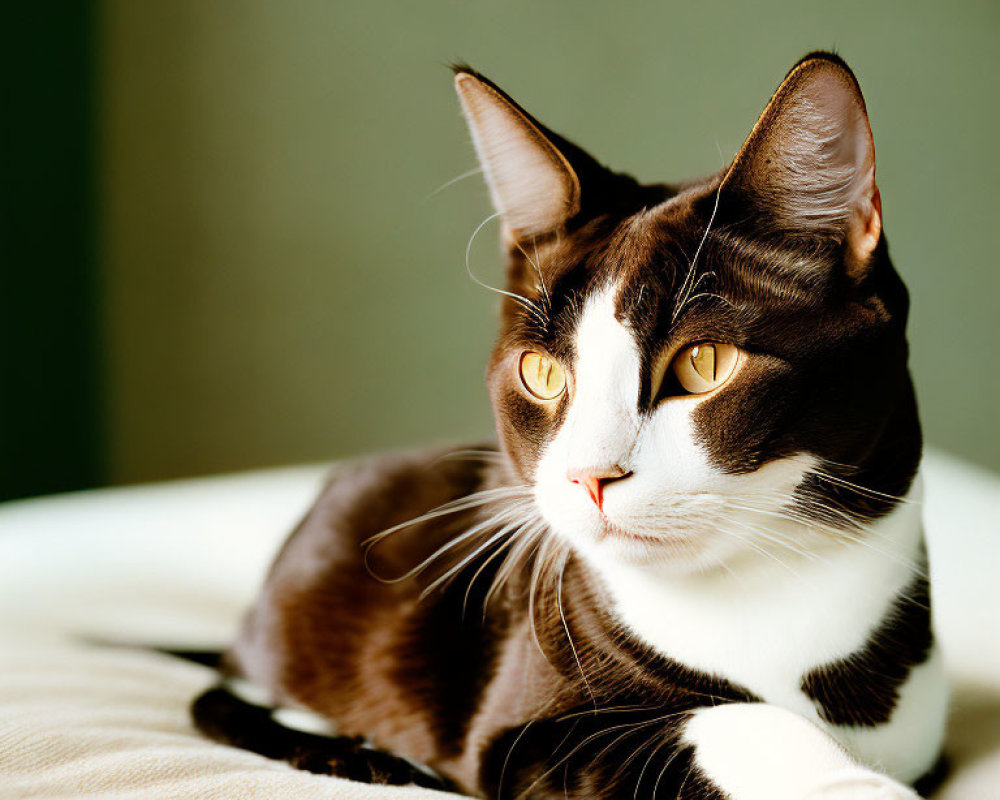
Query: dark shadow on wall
(50, 372)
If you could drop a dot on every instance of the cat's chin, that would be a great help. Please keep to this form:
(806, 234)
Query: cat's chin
(619, 537)
(677, 554)
(601, 540)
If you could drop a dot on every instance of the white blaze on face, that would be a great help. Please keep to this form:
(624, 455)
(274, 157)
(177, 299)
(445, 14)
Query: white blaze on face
(603, 420)
(670, 508)
(601, 427)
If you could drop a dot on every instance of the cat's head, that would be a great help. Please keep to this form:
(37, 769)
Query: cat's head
(683, 369)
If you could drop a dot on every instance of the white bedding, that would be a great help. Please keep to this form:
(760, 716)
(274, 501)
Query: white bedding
(176, 563)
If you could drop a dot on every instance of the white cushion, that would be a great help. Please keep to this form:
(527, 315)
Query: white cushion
(176, 563)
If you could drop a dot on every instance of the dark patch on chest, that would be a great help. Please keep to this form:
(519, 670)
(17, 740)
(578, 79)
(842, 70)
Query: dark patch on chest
(602, 755)
(933, 779)
(863, 687)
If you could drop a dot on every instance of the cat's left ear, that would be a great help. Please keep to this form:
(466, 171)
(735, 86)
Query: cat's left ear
(532, 184)
(809, 163)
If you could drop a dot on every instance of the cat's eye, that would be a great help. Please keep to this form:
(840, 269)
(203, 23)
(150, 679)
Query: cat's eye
(702, 367)
(542, 376)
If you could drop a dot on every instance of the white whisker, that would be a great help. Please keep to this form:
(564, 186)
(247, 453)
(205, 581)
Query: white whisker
(565, 624)
(520, 299)
(689, 277)
(452, 182)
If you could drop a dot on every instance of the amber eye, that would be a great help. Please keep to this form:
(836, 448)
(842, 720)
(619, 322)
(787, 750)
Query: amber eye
(706, 366)
(542, 376)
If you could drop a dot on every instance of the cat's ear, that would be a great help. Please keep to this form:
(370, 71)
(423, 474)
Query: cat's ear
(809, 163)
(533, 186)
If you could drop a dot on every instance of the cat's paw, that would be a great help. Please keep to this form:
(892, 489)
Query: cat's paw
(354, 759)
(860, 785)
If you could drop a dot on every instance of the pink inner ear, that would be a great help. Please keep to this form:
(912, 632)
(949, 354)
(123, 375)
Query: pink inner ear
(875, 221)
(865, 229)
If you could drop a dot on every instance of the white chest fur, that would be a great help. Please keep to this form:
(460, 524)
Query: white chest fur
(765, 624)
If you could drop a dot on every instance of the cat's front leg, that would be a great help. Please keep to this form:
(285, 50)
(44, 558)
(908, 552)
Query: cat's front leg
(755, 751)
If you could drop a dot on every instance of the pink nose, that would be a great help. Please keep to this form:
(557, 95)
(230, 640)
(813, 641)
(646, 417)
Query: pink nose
(594, 479)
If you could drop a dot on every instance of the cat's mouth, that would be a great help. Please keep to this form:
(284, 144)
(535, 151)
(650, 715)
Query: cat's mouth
(610, 530)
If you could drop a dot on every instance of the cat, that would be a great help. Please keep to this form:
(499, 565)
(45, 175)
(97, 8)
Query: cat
(693, 565)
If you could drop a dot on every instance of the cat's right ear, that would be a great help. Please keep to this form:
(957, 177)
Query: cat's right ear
(809, 164)
(531, 183)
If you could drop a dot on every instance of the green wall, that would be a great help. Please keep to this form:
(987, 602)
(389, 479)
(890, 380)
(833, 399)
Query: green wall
(285, 283)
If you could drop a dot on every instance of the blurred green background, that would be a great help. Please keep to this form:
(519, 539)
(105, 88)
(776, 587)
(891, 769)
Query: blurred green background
(261, 266)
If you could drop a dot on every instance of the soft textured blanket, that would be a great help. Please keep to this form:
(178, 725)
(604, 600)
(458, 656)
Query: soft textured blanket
(176, 563)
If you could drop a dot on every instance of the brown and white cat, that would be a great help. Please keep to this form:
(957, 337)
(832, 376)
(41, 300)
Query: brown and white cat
(693, 567)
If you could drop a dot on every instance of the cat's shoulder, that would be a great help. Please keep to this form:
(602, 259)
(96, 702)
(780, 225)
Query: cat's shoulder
(403, 483)
(368, 496)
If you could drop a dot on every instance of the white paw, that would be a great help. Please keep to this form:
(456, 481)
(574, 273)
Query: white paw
(860, 785)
